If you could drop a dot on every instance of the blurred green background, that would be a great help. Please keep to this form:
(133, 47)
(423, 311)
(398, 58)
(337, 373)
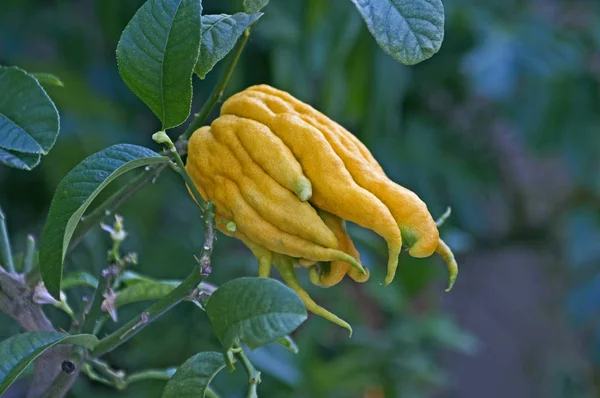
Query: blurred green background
(503, 125)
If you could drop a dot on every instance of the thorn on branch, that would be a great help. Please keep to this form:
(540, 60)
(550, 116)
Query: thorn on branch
(144, 318)
(68, 367)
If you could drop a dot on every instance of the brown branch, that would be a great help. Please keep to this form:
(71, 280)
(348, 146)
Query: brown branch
(16, 301)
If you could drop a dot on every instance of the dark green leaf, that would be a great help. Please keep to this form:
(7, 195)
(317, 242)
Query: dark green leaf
(144, 290)
(20, 350)
(131, 278)
(252, 6)
(410, 31)
(19, 160)
(157, 54)
(75, 193)
(193, 377)
(255, 310)
(49, 79)
(219, 35)
(29, 121)
(79, 278)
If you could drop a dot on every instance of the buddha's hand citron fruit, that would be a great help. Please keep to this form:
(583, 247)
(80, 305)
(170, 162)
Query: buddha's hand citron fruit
(288, 177)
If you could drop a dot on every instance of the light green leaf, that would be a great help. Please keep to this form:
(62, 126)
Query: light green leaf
(255, 310)
(288, 343)
(29, 121)
(48, 78)
(131, 277)
(79, 278)
(252, 6)
(410, 31)
(219, 35)
(73, 196)
(193, 377)
(20, 350)
(144, 290)
(157, 54)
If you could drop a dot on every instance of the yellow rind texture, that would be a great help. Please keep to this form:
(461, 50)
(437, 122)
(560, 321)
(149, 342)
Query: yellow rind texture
(337, 269)
(270, 200)
(408, 210)
(215, 172)
(289, 177)
(266, 149)
(334, 189)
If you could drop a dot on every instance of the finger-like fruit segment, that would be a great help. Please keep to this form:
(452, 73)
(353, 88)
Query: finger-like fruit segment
(232, 206)
(444, 251)
(318, 118)
(334, 189)
(409, 211)
(285, 266)
(326, 276)
(264, 257)
(266, 149)
(271, 201)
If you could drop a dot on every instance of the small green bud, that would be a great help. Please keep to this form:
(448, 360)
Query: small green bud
(160, 137)
(231, 227)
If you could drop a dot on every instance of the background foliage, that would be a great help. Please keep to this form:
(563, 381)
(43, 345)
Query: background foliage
(502, 125)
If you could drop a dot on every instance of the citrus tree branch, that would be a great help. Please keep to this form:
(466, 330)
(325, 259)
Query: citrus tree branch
(157, 309)
(111, 204)
(217, 92)
(6, 259)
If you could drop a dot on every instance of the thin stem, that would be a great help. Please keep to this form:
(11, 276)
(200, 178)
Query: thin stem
(209, 239)
(29, 255)
(217, 92)
(89, 371)
(188, 180)
(64, 306)
(111, 204)
(90, 320)
(63, 381)
(6, 258)
(153, 312)
(253, 373)
(114, 377)
(150, 374)
(115, 201)
(101, 372)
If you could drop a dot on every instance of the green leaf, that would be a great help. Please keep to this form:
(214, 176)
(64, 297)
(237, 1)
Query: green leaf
(20, 350)
(252, 6)
(193, 377)
(19, 160)
(255, 310)
(130, 278)
(219, 35)
(410, 31)
(48, 78)
(288, 343)
(73, 196)
(79, 278)
(29, 121)
(144, 290)
(157, 54)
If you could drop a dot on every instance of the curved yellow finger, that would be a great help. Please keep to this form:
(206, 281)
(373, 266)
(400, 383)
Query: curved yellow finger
(285, 266)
